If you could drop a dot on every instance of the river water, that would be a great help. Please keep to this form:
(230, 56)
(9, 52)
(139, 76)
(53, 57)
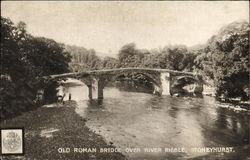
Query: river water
(142, 120)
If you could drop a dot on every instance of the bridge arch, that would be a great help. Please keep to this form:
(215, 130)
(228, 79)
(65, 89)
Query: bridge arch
(103, 79)
(186, 79)
(192, 83)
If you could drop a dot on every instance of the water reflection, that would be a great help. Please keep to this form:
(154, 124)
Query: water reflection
(137, 119)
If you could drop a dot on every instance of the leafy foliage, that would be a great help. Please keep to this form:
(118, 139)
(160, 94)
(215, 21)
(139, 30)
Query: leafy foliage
(109, 63)
(47, 56)
(225, 59)
(83, 59)
(170, 57)
(24, 58)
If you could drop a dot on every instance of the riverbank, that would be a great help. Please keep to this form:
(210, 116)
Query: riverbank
(49, 128)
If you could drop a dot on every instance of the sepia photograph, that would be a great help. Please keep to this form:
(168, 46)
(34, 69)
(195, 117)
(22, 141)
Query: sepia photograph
(124, 80)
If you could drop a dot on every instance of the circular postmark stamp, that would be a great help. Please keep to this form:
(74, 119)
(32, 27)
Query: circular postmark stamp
(12, 141)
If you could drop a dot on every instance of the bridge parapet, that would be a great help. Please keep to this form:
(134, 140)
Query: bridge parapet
(110, 71)
(118, 70)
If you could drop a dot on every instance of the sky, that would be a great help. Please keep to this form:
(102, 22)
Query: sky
(108, 25)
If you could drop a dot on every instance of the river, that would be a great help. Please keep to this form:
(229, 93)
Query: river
(140, 120)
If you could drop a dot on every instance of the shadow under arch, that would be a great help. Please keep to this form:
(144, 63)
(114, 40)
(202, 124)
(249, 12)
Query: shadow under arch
(138, 82)
(149, 78)
(195, 86)
(186, 80)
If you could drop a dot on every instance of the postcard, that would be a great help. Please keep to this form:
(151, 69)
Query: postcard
(116, 80)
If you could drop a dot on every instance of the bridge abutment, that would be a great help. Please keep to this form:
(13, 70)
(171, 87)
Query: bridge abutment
(199, 89)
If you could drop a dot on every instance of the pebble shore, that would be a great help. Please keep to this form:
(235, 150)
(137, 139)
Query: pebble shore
(50, 131)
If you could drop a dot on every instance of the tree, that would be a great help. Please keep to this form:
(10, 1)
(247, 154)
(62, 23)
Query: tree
(83, 59)
(225, 59)
(110, 63)
(232, 64)
(175, 56)
(12, 56)
(47, 56)
(23, 59)
(126, 51)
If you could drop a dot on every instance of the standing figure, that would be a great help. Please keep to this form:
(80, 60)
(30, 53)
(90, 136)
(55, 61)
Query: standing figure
(60, 94)
(69, 96)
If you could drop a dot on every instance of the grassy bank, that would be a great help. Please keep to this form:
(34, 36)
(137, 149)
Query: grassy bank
(48, 129)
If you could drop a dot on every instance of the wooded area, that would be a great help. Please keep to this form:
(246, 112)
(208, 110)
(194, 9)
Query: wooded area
(224, 59)
(24, 59)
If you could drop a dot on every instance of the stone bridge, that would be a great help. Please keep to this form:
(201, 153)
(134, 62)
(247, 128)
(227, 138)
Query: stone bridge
(162, 79)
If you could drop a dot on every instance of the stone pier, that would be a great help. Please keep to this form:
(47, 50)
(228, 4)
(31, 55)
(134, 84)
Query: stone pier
(165, 83)
(90, 91)
(100, 87)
